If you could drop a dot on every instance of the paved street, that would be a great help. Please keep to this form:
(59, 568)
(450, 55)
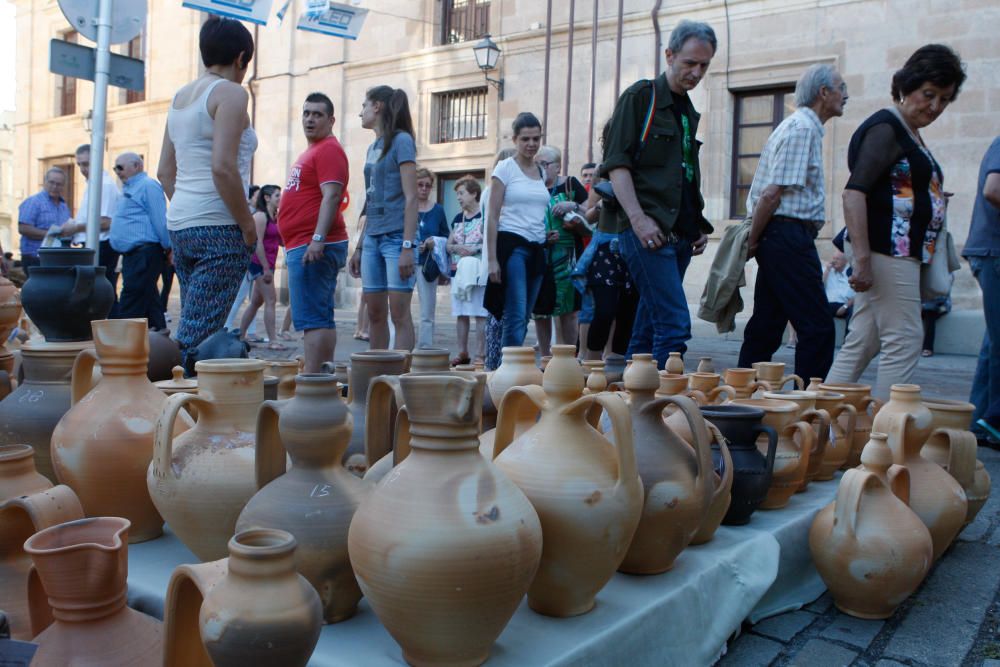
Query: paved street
(953, 619)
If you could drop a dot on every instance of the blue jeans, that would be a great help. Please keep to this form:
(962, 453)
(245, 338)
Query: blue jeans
(311, 286)
(380, 264)
(663, 322)
(520, 293)
(986, 383)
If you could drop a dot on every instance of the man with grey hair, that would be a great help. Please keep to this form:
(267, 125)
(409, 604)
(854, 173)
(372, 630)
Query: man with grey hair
(43, 212)
(651, 159)
(787, 209)
(139, 233)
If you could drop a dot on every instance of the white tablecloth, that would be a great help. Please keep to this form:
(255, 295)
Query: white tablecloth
(683, 617)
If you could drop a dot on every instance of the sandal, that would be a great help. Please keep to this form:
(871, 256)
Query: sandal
(255, 339)
(458, 361)
(284, 335)
(927, 353)
(277, 346)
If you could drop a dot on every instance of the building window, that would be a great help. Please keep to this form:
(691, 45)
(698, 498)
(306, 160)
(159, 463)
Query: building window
(133, 49)
(66, 85)
(459, 115)
(464, 20)
(757, 114)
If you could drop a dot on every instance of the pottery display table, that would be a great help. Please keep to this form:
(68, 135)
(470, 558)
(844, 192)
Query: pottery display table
(682, 617)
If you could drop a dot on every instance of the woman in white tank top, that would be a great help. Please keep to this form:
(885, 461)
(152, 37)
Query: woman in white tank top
(205, 168)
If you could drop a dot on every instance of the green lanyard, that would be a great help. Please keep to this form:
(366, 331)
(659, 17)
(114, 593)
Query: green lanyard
(688, 157)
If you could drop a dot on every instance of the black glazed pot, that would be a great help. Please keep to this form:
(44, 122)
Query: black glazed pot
(62, 298)
(741, 425)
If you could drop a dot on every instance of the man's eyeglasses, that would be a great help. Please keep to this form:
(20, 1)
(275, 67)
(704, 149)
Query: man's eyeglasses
(543, 164)
(118, 167)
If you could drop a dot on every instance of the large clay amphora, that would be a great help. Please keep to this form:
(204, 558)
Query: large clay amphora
(740, 426)
(678, 481)
(364, 367)
(772, 373)
(935, 496)
(77, 594)
(10, 315)
(249, 609)
(316, 498)
(18, 476)
(838, 446)
(587, 492)
(795, 444)
(743, 381)
(953, 447)
(102, 447)
(820, 419)
(20, 518)
(871, 550)
(30, 413)
(858, 395)
(65, 293)
(463, 542)
(201, 480)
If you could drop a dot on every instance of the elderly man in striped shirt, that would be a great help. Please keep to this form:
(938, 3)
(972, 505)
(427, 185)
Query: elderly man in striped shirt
(787, 205)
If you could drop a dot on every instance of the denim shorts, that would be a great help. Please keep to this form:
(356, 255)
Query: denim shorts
(256, 270)
(311, 286)
(586, 315)
(380, 264)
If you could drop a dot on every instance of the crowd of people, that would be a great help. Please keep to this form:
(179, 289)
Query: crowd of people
(596, 261)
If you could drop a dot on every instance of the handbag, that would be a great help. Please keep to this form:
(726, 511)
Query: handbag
(935, 277)
(429, 268)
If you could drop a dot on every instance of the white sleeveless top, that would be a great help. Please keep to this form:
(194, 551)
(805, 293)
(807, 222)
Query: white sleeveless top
(196, 202)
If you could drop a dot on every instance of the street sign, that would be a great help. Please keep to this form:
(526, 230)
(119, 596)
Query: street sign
(79, 61)
(128, 18)
(332, 18)
(254, 11)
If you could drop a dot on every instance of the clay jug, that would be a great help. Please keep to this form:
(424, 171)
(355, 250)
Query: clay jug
(20, 518)
(30, 413)
(65, 293)
(429, 359)
(465, 542)
(285, 370)
(740, 426)
(364, 367)
(315, 499)
(839, 441)
(742, 381)
(870, 549)
(672, 384)
(795, 443)
(587, 492)
(596, 380)
(18, 476)
(677, 481)
(705, 365)
(517, 368)
(707, 383)
(858, 395)
(722, 480)
(249, 609)
(102, 446)
(200, 480)
(953, 447)
(10, 315)
(772, 373)
(675, 363)
(164, 354)
(77, 592)
(820, 419)
(935, 496)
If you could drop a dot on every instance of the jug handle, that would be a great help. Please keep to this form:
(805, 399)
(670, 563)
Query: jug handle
(520, 403)
(727, 458)
(188, 587)
(896, 432)
(899, 482)
(713, 396)
(962, 449)
(402, 437)
(772, 442)
(806, 444)
(799, 384)
(848, 502)
(269, 458)
(819, 444)
(163, 441)
(873, 403)
(84, 283)
(695, 395)
(39, 609)
(621, 425)
(383, 392)
(852, 418)
(759, 384)
(699, 431)
(83, 372)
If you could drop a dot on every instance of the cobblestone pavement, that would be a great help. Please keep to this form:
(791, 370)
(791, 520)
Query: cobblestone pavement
(953, 619)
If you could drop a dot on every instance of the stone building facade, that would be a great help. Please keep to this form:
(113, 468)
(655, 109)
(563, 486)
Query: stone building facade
(461, 121)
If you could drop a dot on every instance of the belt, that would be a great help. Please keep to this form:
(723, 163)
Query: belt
(141, 246)
(811, 223)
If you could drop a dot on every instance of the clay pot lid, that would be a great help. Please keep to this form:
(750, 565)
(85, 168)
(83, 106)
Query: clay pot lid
(177, 383)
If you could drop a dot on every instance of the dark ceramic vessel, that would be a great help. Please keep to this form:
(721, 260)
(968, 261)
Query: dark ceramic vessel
(751, 470)
(65, 293)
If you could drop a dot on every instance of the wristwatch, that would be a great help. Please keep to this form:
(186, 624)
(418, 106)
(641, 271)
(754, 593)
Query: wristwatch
(408, 244)
(318, 238)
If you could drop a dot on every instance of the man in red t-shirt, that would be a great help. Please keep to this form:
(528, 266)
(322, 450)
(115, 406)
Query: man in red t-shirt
(313, 230)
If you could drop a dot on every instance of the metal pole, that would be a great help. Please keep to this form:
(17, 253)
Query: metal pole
(593, 85)
(548, 54)
(618, 50)
(96, 180)
(569, 87)
(659, 39)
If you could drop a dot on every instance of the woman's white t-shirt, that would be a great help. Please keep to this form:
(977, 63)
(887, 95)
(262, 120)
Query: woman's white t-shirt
(525, 202)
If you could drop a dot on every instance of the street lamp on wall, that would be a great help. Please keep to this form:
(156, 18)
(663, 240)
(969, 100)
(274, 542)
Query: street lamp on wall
(487, 54)
(88, 121)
